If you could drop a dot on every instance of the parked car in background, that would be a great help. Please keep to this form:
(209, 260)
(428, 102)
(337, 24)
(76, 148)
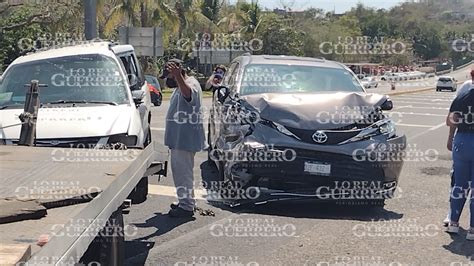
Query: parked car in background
(155, 90)
(394, 76)
(300, 136)
(446, 83)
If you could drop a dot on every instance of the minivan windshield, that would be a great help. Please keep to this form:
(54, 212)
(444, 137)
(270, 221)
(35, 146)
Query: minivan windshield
(274, 78)
(76, 79)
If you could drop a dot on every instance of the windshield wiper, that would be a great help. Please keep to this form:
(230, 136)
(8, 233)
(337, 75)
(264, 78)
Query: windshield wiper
(83, 101)
(10, 105)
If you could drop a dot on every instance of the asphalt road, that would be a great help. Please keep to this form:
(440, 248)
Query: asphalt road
(407, 231)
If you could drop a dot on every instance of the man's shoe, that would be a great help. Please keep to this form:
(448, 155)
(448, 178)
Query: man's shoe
(178, 212)
(453, 228)
(470, 234)
(175, 205)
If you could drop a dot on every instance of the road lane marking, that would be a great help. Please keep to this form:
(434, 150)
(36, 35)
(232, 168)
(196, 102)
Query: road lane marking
(426, 131)
(412, 102)
(438, 126)
(412, 125)
(412, 113)
(421, 107)
(169, 191)
(424, 97)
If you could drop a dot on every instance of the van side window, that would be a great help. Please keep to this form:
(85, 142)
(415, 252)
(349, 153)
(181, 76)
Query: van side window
(131, 68)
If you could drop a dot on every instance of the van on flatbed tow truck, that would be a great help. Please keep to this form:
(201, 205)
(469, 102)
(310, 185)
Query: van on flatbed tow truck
(62, 196)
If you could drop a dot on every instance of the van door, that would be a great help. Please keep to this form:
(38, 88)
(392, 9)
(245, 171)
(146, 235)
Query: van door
(137, 81)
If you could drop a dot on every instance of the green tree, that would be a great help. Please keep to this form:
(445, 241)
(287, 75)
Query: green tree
(279, 38)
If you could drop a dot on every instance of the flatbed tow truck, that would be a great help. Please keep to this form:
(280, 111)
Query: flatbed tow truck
(63, 206)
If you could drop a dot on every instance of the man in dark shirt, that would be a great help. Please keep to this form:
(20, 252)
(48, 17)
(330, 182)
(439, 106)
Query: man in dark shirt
(461, 121)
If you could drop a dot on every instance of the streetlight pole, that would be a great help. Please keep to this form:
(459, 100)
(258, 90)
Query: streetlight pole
(90, 19)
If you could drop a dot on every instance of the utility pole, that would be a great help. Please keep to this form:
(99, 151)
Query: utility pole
(90, 19)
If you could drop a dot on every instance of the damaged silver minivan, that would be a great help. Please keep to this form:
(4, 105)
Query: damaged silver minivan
(299, 128)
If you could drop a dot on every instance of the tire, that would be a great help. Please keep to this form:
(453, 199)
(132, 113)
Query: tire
(160, 100)
(140, 191)
(107, 248)
(220, 170)
(148, 138)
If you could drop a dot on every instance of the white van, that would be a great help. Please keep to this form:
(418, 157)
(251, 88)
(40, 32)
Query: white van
(93, 94)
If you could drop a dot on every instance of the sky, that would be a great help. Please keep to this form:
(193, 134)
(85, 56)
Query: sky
(341, 6)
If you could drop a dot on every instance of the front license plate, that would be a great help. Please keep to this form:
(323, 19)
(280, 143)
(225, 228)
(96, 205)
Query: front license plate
(317, 168)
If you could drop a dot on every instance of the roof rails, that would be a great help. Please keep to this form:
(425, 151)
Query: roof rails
(73, 43)
(279, 57)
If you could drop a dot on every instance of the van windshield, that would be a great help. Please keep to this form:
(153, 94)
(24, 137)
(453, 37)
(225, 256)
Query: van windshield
(81, 78)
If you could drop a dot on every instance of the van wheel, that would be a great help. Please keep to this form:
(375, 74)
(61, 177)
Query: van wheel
(148, 138)
(220, 169)
(140, 191)
(107, 248)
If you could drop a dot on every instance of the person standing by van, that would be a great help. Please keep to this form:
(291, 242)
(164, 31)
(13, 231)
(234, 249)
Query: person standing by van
(184, 134)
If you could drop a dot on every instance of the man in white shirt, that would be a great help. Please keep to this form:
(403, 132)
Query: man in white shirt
(467, 85)
(184, 134)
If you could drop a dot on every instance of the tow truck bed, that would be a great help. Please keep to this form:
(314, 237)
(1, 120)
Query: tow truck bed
(34, 172)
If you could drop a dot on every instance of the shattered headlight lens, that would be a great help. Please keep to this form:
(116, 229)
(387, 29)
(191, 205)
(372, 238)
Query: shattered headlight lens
(280, 128)
(388, 128)
(385, 126)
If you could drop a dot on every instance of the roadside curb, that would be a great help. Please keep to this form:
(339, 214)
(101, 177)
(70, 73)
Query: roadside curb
(408, 91)
(414, 91)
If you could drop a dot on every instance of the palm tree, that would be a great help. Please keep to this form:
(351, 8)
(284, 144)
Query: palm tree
(252, 17)
(191, 18)
(144, 13)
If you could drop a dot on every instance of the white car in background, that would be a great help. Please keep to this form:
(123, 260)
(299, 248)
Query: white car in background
(394, 76)
(446, 83)
(369, 82)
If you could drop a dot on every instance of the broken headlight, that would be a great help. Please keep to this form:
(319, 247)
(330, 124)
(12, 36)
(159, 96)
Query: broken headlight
(281, 128)
(385, 126)
(119, 142)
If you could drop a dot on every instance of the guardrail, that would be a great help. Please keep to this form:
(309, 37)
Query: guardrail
(463, 64)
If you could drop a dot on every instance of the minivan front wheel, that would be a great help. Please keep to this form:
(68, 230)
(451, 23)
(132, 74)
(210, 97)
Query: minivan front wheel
(140, 191)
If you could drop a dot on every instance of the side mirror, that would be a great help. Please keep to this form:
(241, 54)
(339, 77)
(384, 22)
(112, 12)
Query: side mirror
(137, 96)
(222, 93)
(387, 105)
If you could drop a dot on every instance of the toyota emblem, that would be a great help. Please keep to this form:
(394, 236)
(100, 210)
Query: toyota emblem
(320, 137)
